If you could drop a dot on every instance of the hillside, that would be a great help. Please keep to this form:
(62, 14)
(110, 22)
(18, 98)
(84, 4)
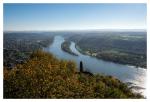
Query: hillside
(119, 47)
(44, 76)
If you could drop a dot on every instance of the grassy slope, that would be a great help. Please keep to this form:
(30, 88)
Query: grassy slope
(44, 76)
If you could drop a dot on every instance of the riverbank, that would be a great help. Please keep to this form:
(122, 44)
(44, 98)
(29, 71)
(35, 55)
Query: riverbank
(125, 73)
(65, 46)
(109, 58)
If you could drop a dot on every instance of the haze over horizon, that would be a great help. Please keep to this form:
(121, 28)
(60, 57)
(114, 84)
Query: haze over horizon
(53, 17)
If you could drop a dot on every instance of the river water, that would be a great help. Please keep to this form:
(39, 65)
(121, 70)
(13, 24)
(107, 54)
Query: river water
(130, 74)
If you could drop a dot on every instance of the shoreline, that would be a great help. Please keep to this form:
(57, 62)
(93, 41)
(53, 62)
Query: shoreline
(65, 46)
(82, 52)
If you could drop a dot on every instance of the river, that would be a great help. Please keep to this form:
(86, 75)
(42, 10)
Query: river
(126, 73)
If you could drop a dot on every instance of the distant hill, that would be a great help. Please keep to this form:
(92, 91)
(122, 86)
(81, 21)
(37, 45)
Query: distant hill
(44, 76)
(119, 47)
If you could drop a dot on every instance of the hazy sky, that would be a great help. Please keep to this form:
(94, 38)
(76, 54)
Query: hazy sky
(74, 16)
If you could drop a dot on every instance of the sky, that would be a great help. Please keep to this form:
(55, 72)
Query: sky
(46, 17)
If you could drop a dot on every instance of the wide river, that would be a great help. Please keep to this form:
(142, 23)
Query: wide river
(136, 76)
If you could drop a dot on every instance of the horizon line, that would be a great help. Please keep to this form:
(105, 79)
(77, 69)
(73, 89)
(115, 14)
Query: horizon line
(144, 29)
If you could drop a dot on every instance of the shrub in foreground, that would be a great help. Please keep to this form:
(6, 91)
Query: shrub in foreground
(44, 76)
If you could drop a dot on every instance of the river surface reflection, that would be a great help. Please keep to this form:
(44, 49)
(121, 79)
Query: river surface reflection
(136, 76)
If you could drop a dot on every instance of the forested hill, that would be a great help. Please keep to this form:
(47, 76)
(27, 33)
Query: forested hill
(44, 76)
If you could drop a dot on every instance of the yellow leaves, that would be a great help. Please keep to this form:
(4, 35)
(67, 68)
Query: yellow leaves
(5, 72)
(49, 66)
(44, 76)
(63, 64)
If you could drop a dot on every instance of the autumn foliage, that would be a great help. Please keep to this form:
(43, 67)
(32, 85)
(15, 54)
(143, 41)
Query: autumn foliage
(44, 76)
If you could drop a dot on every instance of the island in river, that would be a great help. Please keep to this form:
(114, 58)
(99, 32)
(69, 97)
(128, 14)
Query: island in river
(65, 46)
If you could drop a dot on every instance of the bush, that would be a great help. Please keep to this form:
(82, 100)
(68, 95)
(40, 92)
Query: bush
(44, 76)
